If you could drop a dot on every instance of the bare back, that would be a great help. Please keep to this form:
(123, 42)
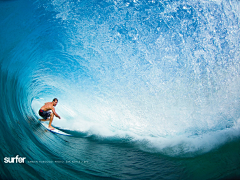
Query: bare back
(47, 106)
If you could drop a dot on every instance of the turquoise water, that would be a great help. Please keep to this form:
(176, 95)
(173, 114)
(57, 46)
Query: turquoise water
(148, 89)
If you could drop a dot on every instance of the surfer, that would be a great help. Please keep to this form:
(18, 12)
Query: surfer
(45, 112)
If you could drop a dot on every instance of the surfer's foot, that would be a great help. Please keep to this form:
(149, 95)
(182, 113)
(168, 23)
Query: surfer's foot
(51, 128)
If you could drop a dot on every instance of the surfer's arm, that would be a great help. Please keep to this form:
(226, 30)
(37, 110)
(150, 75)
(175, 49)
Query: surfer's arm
(54, 112)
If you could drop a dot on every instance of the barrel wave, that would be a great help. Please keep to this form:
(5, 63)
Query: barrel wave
(139, 83)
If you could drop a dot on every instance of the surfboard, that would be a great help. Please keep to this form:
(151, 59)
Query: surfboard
(56, 131)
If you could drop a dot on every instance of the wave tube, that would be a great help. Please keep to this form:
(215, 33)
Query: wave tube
(164, 74)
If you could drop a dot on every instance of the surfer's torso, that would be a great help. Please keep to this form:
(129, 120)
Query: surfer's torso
(47, 106)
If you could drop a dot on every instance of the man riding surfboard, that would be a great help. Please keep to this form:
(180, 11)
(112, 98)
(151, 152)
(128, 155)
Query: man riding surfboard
(45, 113)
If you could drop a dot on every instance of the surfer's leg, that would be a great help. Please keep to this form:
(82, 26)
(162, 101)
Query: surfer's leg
(44, 119)
(50, 122)
(45, 115)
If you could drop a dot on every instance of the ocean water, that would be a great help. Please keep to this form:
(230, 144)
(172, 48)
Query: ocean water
(148, 89)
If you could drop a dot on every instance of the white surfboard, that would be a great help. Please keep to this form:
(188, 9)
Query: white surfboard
(57, 131)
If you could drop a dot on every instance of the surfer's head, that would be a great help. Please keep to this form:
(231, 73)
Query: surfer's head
(55, 101)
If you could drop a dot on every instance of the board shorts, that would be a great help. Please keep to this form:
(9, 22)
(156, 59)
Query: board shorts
(44, 114)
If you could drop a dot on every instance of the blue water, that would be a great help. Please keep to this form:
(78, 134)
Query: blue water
(148, 89)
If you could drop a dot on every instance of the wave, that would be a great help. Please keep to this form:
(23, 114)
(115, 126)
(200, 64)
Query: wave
(163, 74)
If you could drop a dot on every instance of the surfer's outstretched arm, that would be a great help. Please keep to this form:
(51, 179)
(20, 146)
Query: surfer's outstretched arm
(54, 112)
